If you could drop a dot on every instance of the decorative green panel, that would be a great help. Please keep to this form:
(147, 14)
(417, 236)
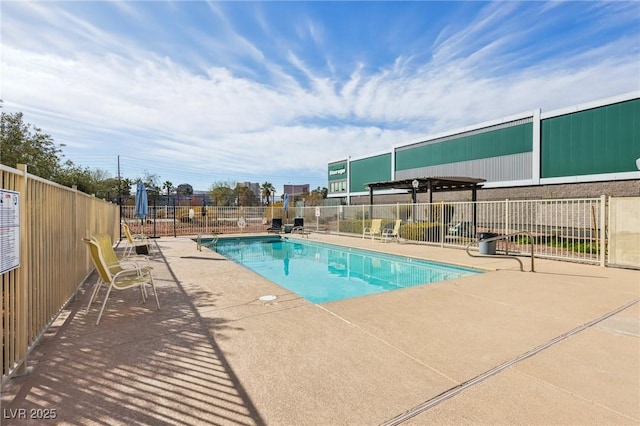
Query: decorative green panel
(367, 170)
(494, 143)
(600, 140)
(337, 171)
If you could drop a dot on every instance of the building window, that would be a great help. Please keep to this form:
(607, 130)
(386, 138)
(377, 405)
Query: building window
(338, 186)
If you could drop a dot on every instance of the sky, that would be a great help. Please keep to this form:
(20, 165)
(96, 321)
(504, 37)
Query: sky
(202, 92)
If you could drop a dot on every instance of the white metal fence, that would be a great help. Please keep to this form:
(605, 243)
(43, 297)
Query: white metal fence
(561, 229)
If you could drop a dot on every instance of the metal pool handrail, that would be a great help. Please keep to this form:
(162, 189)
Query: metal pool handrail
(502, 237)
(199, 239)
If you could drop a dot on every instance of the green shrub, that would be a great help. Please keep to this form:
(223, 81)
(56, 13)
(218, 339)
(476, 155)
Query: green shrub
(362, 215)
(440, 212)
(423, 231)
(521, 239)
(353, 226)
(578, 246)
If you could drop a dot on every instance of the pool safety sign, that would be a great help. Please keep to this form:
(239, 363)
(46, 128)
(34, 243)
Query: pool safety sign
(9, 230)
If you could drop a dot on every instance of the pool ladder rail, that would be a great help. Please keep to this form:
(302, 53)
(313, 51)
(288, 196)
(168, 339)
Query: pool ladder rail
(507, 255)
(212, 239)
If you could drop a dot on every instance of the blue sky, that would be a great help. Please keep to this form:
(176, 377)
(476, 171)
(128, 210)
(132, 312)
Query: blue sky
(200, 92)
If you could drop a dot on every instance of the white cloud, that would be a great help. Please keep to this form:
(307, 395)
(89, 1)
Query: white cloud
(103, 94)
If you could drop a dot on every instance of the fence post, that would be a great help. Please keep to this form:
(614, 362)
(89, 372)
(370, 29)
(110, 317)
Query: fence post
(507, 217)
(174, 217)
(75, 230)
(441, 225)
(603, 223)
(22, 338)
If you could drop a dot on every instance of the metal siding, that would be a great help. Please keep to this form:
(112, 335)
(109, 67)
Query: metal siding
(472, 130)
(494, 169)
(595, 141)
(366, 170)
(496, 143)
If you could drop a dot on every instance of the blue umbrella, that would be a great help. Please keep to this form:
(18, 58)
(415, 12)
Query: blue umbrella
(142, 204)
(286, 203)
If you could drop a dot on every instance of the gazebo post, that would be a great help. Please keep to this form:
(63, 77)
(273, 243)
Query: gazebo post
(370, 202)
(415, 184)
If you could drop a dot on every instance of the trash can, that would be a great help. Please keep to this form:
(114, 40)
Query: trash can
(487, 247)
(142, 249)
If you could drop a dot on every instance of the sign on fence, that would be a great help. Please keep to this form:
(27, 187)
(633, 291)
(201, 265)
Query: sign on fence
(9, 230)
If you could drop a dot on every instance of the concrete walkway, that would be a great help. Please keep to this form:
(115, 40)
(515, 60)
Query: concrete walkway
(558, 346)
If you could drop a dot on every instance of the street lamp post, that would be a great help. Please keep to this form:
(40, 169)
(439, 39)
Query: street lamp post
(414, 184)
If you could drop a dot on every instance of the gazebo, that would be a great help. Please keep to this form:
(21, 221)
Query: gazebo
(430, 185)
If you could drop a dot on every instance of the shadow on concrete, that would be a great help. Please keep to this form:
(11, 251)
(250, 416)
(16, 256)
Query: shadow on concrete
(139, 366)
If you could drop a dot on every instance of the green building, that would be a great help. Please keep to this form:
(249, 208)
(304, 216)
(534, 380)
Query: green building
(585, 150)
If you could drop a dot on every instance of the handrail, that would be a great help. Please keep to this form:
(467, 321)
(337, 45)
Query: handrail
(300, 230)
(199, 239)
(502, 237)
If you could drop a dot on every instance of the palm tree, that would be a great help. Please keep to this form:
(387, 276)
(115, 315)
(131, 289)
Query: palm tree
(125, 189)
(266, 190)
(168, 186)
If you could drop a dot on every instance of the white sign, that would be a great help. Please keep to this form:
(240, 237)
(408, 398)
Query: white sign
(9, 230)
(317, 211)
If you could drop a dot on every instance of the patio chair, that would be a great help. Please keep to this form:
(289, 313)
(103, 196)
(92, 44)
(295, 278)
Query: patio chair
(138, 242)
(374, 229)
(392, 232)
(114, 263)
(298, 227)
(122, 280)
(276, 226)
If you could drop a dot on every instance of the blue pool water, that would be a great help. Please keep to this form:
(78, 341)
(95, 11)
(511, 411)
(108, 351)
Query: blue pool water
(324, 273)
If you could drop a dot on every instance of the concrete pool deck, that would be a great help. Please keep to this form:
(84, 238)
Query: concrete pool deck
(558, 346)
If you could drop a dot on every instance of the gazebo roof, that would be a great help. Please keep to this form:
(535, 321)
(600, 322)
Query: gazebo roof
(449, 183)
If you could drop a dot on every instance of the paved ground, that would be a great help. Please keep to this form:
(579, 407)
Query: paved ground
(559, 346)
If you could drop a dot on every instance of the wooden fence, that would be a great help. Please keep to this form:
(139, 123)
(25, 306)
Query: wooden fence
(41, 226)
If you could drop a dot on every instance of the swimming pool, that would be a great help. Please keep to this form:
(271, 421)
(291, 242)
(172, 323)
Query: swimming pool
(322, 272)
